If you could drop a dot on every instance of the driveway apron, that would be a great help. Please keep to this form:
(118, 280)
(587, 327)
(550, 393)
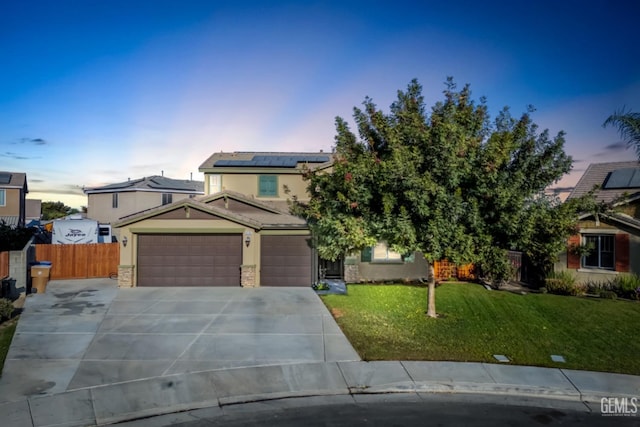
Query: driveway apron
(86, 333)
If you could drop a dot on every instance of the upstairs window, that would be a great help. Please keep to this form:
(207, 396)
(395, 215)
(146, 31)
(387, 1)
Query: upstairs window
(167, 198)
(215, 184)
(602, 252)
(3, 197)
(268, 185)
(114, 200)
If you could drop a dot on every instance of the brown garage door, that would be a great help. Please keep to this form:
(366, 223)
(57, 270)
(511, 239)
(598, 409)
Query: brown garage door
(189, 259)
(285, 261)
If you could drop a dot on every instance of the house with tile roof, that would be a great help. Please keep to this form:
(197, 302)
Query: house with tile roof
(108, 203)
(240, 233)
(614, 235)
(13, 193)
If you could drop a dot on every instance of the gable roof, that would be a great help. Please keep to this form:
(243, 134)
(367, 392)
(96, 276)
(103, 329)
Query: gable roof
(153, 183)
(597, 174)
(265, 160)
(13, 180)
(264, 217)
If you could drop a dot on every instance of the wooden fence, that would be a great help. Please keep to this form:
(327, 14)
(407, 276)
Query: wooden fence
(4, 264)
(445, 269)
(80, 261)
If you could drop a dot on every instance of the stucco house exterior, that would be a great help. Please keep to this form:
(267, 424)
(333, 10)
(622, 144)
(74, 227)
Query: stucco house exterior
(107, 204)
(614, 236)
(13, 193)
(241, 233)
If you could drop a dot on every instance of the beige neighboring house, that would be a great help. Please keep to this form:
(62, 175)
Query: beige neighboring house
(34, 210)
(615, 236)
(109, 203)
(13, 193)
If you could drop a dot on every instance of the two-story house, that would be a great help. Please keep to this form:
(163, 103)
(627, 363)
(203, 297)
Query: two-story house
(108, 203)
(612, 236)
(241, 232)
(13, 193)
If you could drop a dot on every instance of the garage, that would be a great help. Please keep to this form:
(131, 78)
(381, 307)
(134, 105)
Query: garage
(189, 259)
(285, 261)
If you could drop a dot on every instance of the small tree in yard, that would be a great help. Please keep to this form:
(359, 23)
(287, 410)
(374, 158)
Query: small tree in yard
(448, 183)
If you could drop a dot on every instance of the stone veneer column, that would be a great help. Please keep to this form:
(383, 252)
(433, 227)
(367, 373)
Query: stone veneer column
(248, 276)
(125, 276)
(351, 273)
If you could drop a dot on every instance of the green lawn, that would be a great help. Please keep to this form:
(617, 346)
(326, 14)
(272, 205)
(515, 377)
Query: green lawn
(7, 330)
(389, 323)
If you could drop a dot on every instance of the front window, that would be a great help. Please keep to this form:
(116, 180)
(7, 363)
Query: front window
(3, 197)
(602, 252)
(114, 200)
(381, 252)
(215, 184)
(268, 185)
(167, 198)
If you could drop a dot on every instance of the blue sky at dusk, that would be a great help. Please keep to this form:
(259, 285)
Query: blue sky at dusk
(95, 92)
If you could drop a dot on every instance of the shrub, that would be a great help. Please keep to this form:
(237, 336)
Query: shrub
(6, 308)
(607, 294)
(627, 286)
(563, 283)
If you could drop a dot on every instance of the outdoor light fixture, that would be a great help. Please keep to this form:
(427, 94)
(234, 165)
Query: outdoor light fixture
(124, 241)
(247, 238)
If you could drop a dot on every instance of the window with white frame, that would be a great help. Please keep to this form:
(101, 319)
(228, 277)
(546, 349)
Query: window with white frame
(3, 197)
(167, 198)
(602, 251)
(381, 252)
(215, 184)
(114, 200)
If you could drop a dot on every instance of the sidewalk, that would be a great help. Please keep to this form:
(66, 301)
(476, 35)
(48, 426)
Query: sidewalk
(217, 388)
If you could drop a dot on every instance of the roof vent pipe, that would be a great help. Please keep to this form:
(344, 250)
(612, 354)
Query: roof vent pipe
(162, 173)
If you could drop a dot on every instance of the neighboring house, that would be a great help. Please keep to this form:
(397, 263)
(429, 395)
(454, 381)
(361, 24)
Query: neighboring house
(13, 193)
(33, 210)
(614, 237)
(109, 203)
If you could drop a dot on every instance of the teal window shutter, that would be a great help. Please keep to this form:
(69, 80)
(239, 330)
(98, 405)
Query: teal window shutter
(365, 255)
(268, 185)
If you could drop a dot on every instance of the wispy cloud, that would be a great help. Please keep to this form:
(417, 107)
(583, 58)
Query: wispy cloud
(62, 189)
(31, 141)
(616, 146)
(16, 156)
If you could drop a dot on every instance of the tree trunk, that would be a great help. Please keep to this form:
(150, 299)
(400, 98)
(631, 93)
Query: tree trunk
(431, 294)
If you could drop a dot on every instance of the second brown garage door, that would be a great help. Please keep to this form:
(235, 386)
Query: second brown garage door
(285, 261)
(189, 259)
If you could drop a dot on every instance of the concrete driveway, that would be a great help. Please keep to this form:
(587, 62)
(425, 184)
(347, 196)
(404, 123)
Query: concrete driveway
(85, 333)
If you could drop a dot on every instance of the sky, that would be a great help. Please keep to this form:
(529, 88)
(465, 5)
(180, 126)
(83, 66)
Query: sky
(96, 92)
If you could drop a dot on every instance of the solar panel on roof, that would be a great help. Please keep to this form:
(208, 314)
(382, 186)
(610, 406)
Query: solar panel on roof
(273, 161)
(623, 178)
(5, 178)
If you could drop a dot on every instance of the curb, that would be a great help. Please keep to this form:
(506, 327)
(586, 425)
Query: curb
(137, 399)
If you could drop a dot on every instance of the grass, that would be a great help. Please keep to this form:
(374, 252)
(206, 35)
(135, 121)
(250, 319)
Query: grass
(7, 329)
(389, 323)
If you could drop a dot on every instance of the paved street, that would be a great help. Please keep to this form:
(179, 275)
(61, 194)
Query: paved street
(408, 409)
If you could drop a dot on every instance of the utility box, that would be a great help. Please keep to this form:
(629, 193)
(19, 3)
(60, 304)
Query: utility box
(40, 277)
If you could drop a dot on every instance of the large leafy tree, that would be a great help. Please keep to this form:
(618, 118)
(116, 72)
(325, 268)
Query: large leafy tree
(628, 124)
(53, 210)
(448, 183)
